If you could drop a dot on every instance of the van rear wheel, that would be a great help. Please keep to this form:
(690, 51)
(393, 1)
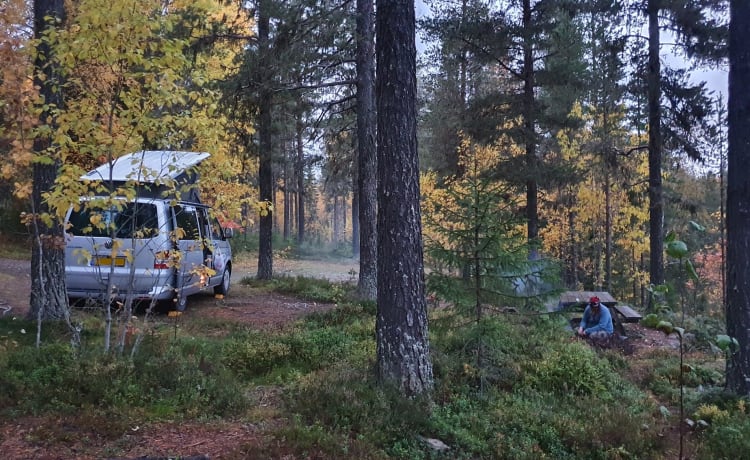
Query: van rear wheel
(223, 288)
(180, 302)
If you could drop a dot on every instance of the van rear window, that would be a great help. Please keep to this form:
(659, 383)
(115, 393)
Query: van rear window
(134, 220)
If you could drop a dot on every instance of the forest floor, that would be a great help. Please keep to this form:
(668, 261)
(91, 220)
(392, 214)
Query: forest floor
(45, 439)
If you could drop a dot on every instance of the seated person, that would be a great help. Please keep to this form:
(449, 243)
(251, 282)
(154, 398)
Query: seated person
(596, 323)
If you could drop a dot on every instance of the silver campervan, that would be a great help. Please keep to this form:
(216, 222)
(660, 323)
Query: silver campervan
(143, 232)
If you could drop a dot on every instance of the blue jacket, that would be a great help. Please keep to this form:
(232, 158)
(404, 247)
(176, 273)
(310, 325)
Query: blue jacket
(595, 323)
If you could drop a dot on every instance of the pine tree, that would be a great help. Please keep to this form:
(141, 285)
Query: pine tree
(700, 35)
(515, 51)
(738, 199)
(476, 246)
(403, 352)
(367, 153)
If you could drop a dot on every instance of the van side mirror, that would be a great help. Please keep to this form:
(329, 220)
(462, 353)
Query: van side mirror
(228, 232)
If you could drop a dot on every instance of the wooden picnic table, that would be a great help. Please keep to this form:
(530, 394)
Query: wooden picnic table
(570, 300)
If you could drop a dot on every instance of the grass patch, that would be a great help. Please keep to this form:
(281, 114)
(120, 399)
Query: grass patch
(310, 289)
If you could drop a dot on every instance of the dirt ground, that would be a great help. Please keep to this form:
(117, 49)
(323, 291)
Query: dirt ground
(241, 304)
(34, 438)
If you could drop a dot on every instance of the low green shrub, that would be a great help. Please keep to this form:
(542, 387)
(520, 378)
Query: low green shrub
(255, 353)
(347, 400)
(651, 320)
(38, 378)
(727, 436)
(307, 347)
(318, 348)
(466, 423)
(318, 441)
(305, 288)
(570, 369)
(344, 315)
(54, 378)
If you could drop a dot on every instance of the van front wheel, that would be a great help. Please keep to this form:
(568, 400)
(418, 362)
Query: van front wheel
(223, 288)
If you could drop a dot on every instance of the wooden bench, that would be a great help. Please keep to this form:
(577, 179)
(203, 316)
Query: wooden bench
(629, 315)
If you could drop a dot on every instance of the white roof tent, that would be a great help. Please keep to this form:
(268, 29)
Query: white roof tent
(156, 173)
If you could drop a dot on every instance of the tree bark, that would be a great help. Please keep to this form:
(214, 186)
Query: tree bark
(300, 167)
(48, 300)
(607, 229)
(355, 215)
(403, 352)
(656, 208)
(738, 198)
(532, 214)
(265, 167)
(288, 180)
(367, 154)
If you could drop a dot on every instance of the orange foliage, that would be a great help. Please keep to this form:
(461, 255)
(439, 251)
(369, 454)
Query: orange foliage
(16, 93)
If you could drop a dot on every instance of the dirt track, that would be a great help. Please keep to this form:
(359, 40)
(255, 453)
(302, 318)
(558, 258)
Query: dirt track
(15, 283)
(242, 304)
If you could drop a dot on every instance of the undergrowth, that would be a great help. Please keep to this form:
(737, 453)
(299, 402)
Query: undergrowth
(537, 394)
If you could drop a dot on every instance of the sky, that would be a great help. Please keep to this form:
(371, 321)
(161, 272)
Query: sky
(716, 79)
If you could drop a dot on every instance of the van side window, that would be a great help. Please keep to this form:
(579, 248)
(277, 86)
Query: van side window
(203, 220)
(218, 232)
(187, 220)
(136, 220)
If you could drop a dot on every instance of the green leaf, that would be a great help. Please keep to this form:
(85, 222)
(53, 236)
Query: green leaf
(677, 249)
(696, 226)
(727, 343)
(671, 236)
(691, 270)
(657, 288)
(665, 326)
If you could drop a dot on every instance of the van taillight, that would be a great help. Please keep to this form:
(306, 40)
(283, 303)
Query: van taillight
(161, 261)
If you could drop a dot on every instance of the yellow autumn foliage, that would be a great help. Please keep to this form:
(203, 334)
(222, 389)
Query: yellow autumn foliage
(134, 80)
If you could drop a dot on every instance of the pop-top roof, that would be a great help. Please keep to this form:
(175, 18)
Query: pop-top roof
(147, 166)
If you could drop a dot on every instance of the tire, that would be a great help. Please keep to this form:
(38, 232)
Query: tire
(223, 287)
(180, 302)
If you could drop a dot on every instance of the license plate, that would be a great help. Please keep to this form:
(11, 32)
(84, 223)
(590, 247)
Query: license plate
(105, 261)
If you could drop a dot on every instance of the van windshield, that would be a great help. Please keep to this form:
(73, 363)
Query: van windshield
(134, 220)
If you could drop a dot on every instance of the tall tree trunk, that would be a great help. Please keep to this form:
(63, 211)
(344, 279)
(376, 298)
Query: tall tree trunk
(532, 217)
(403, 352)
(48, 298)
(300, 166)
(344, 214)
(265, 167)
(738, 198)
(355, 216)
(336, 236)
(656, 207)
(573, 259)
(367, 155)
(607, 230)
(288, 180)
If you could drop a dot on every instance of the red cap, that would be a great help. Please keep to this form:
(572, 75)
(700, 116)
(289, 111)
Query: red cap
(594, 299)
